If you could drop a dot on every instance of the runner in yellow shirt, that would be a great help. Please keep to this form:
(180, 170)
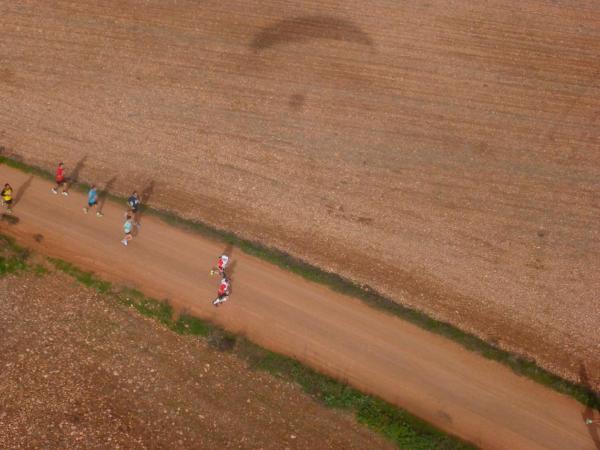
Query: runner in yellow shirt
(7, 197)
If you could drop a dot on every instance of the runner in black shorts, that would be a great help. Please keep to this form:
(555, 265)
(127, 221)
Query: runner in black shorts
(7, 197)
(92, 200)
(134, 206)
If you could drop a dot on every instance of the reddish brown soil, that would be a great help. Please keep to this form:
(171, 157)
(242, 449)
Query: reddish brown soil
(446, 153)
(78, 371)
(438, 380)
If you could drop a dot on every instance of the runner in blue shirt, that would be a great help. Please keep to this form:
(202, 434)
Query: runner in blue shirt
(92, 200)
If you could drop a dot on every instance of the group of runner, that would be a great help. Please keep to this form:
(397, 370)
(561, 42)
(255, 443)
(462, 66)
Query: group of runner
(132, 218)
(133, 202)
(225, 285)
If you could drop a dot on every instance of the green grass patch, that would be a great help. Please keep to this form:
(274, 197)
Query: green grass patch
(406, 430)
(23, 167)
(149, 307)
(519, 365)
(11, 264)
(186, 324)
(13, 258)
(327, 390)
(86, 278)
(399, 426)
(40, 270)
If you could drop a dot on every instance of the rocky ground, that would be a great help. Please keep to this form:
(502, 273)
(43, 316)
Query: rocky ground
(79, 371)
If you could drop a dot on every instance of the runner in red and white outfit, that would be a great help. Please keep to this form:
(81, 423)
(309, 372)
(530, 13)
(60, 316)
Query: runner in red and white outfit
(221, 264)
(224, 291)
(61, 180)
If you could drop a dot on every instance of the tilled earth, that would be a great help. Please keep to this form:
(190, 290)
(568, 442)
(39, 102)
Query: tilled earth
(79, 371)
(444, 152)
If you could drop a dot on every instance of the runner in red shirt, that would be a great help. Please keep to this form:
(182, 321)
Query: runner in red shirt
(224, 292)
(221, 264)
(61, 180)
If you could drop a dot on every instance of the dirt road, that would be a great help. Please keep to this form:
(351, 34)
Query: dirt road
(433, 378)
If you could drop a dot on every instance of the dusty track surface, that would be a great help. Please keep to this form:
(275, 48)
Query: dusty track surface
(435, 379)
(80, 371)
(444, 152)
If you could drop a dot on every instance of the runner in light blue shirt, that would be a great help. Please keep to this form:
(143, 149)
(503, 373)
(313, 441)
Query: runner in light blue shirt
(92, 201)
(127, 228)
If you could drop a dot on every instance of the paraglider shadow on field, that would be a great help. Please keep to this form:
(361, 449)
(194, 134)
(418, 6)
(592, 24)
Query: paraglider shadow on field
(73, 177)
(144, 199)
(306, 28)
(103, 194)
(303, 29)
(588, 413)
(21, 191)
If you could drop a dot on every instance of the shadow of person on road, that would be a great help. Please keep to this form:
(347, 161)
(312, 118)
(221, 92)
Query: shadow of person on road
(73, 177)
(588, 413)
(21, 191)
(230, 270)
(144, 199)
(103, 194)
(9, 218)
(228, 250)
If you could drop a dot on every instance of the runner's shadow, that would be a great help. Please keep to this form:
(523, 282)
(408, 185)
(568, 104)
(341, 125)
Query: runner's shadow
(228, 250)
(74, 176)
(9, 218)
(103, 195)
(588, 413)
(230, 270)
(144, 199)
(21, 191)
